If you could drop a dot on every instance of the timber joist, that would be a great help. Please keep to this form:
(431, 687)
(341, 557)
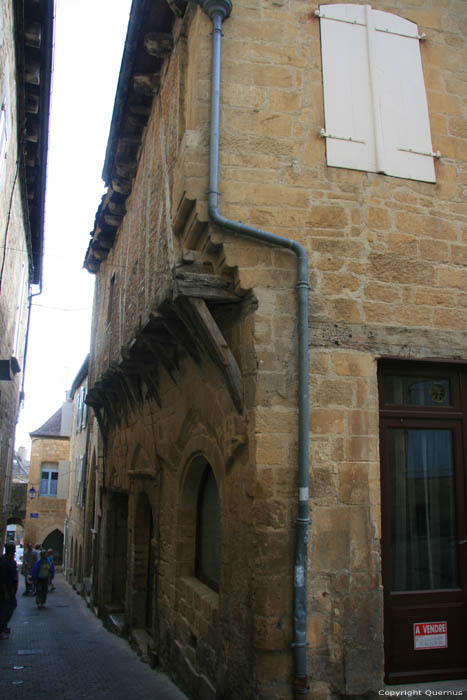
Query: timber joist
(148, 44)
(182, 325)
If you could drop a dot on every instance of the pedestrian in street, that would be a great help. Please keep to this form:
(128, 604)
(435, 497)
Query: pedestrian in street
(30, 557)
(50, 559)
(40, 576)
(8, 588)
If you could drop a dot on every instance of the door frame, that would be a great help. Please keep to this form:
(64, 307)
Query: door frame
(397, 604)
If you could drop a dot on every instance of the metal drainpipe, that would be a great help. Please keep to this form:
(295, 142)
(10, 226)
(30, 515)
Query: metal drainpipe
(218, 11)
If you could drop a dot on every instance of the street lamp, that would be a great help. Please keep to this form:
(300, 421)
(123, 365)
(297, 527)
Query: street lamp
(32, 492)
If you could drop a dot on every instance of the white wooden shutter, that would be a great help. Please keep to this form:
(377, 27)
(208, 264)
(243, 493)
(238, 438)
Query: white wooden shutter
(376, 112)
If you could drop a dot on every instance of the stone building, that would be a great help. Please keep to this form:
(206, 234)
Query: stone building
(49, 471)
(277, 370)
(25, 69)
(75, 524)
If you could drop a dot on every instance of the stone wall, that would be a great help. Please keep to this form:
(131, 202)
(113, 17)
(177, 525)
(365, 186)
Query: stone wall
(387, 277)
(75, 567)
(51, 511)
(14, 276)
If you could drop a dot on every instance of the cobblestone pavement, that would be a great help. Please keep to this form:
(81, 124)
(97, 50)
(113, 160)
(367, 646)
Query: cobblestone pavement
(63, 652)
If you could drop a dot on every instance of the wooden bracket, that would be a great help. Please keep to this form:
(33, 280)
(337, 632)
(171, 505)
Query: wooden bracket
(217, 347)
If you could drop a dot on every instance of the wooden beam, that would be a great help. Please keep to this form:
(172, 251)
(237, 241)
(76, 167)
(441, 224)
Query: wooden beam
(157, 44)
(113, 220)
(146, 84)
(178, 8)
(216, 346)
(190, 281)
(121, 185)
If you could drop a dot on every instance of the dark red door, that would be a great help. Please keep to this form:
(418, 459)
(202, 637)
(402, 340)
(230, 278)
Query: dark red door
(423, 520)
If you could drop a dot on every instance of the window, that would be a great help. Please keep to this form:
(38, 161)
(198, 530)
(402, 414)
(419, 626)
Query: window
(376, 111)
(79, 481)
(208, 531)
(49, 480)
(111, 298)
(81, 409)
(4, 130)
(5, 117)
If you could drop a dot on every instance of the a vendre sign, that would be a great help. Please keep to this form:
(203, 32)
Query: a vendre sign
(430, 635)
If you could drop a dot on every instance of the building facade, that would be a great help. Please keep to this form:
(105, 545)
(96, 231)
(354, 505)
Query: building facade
(75, 524)
(49, 471)
(289, 523)
(25, 69)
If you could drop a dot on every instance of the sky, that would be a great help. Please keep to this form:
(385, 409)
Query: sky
(88, 48)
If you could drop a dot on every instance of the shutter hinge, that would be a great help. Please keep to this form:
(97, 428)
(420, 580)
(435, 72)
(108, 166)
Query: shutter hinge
(321, 15)
(324, 135)
(421, 153)
(420, 37)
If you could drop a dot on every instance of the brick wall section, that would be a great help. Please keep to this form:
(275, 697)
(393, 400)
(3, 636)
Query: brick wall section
(51, 510)
(387, 272)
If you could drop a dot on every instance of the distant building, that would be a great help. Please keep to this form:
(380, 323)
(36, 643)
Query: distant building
(48, 482)
(26, 28)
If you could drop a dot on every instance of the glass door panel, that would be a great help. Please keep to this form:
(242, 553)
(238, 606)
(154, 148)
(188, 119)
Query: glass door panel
(423, 546)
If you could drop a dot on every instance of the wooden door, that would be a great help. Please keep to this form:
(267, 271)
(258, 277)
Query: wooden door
(424, 521)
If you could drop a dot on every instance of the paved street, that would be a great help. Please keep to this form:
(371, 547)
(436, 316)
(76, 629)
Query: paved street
(64, 653)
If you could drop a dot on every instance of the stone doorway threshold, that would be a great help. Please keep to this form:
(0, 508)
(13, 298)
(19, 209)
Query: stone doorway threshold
(446, 689)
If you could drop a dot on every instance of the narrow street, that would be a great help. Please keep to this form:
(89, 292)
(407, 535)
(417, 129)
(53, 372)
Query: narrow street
(63, 652)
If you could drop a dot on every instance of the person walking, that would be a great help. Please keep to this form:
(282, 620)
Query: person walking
(8, 588)
(30, 557)
(40, 576)
(50, 559)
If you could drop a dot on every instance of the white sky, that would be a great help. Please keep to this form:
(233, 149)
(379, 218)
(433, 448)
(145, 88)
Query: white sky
(89, 40)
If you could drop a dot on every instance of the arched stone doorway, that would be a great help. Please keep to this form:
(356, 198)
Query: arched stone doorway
(18, 535)
(144, 567)
(54, 541)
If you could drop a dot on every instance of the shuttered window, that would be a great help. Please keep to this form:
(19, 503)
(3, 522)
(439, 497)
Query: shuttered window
(376, 111)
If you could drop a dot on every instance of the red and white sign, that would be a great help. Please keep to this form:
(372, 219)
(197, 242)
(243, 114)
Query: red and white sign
(430, 635)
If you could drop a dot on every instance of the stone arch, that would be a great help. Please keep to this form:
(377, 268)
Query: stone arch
(202, 456)
(199, 445)
(54, 541)
(19, 533)
(140, 461)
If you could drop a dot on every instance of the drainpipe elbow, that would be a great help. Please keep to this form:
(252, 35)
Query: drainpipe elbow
(213, 7)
